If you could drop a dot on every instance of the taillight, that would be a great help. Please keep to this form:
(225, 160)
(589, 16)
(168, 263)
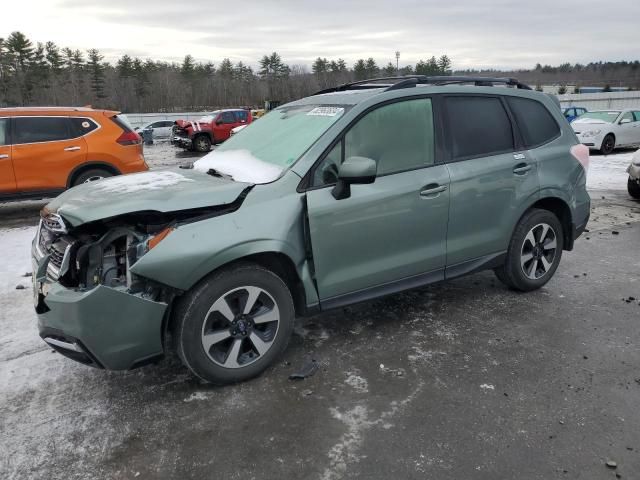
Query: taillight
(129, 138)
(581, 153)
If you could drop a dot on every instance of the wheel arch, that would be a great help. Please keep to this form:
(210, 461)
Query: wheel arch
(562, 211)
(83, 167)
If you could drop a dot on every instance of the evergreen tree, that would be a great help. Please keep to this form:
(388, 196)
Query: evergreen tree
(124, 66)
(389, 70)
(320, 66)
(226, 69)
(371, 68)
(444, 65)
(188, 66)
(96, 71)
(360, 69)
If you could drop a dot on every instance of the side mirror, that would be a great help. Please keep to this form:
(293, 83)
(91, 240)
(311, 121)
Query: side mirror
(625, 120)
(354, 170)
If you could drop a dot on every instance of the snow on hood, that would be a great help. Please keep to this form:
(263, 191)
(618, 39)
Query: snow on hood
(136, 183)
(241, 165)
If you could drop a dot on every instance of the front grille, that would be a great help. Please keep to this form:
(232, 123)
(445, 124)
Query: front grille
(54, 223)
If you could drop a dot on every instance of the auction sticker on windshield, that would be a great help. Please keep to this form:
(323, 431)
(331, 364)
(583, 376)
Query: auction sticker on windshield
(326, 111)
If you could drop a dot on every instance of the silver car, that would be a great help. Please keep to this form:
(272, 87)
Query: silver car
(606, 130)
(160, 128)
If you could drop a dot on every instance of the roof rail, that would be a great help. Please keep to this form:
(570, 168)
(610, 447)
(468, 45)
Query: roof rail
(409, 81)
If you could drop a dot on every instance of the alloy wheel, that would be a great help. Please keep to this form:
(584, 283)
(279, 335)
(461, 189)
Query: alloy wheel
(93, 179)
(538, 251)
(240, 327)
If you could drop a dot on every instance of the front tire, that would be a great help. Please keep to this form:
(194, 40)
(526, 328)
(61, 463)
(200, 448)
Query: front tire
(202, 143)
(534, 251)
(608, 144)
(633, 188)
(234, 324)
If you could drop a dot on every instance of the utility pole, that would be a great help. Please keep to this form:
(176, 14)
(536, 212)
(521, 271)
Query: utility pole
(397, 62)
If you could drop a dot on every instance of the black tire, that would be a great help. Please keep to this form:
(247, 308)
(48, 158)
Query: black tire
(608, 144)
(633, 188)
(202, 143)
(512, 273)
(195, 317)
(91, 175)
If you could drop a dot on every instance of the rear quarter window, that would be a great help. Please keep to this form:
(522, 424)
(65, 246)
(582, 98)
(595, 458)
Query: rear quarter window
(536, 124)
(81, 126)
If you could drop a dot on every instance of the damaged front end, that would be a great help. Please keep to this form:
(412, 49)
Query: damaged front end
(90, 307)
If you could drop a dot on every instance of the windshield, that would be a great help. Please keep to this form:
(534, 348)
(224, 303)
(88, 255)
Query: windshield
(609, 116)
(263, 150)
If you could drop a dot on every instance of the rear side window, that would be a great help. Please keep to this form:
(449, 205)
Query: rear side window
(82, 126)
(4, 131)
(478, 127)
(534, 121)
(41, 129)
(242, 115)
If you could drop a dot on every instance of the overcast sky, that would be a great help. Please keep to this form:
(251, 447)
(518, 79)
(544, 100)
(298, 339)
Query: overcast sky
(474, 33)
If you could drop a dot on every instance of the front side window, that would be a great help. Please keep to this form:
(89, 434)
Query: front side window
(227, 117)
(398, 136)
(636, 115)
(41, 129)
(627, 117)
(4, 131)
(478, 127)
(534, 121)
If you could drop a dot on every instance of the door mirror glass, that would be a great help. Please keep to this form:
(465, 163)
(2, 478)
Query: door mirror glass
(354, 170)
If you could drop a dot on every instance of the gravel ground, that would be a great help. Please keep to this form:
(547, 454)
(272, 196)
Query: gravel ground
(459, 380)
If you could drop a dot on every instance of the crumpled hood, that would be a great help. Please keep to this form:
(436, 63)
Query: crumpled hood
(160, 191)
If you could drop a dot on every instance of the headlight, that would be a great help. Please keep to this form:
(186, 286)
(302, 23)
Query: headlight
(591, 133)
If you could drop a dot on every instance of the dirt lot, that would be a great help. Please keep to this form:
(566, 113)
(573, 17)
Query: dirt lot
(454, 381)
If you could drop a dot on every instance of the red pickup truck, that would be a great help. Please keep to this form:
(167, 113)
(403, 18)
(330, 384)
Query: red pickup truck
(212, 128)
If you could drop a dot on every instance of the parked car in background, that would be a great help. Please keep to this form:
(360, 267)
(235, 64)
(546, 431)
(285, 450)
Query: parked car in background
(44, 151)
(209, 130)
(571, 113)
(633, 183)
(160, 128)
(337, 198)
(606, 130)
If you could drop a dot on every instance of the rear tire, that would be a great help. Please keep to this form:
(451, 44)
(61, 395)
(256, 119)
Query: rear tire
(232, 325)
(534, 251)
(608, 144)
(202, 143)
(91, 176)
(633, 188)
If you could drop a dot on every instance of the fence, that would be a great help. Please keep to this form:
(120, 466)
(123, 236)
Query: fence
(140, 119)
(601, 101)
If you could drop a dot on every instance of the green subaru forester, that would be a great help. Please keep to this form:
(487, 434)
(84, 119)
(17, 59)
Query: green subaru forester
(356, 192)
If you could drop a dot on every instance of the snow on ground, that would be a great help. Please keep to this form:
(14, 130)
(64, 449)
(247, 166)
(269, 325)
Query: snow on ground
(609, 172)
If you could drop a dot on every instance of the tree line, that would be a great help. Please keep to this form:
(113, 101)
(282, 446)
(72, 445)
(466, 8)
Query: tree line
(46, 74)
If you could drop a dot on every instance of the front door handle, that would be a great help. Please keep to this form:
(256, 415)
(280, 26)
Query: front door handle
(4, 155)
(432, 190)
(521, 169)
(71, 149)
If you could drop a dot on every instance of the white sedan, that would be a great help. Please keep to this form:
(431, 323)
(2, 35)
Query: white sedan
(160, 128)
(606, 130)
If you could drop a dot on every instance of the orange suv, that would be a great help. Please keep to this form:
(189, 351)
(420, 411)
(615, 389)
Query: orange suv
(44, 151)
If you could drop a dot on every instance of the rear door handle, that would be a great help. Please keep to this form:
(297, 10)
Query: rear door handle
(432, 190)
(71, 149)
(521, 169)
(4, 155)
